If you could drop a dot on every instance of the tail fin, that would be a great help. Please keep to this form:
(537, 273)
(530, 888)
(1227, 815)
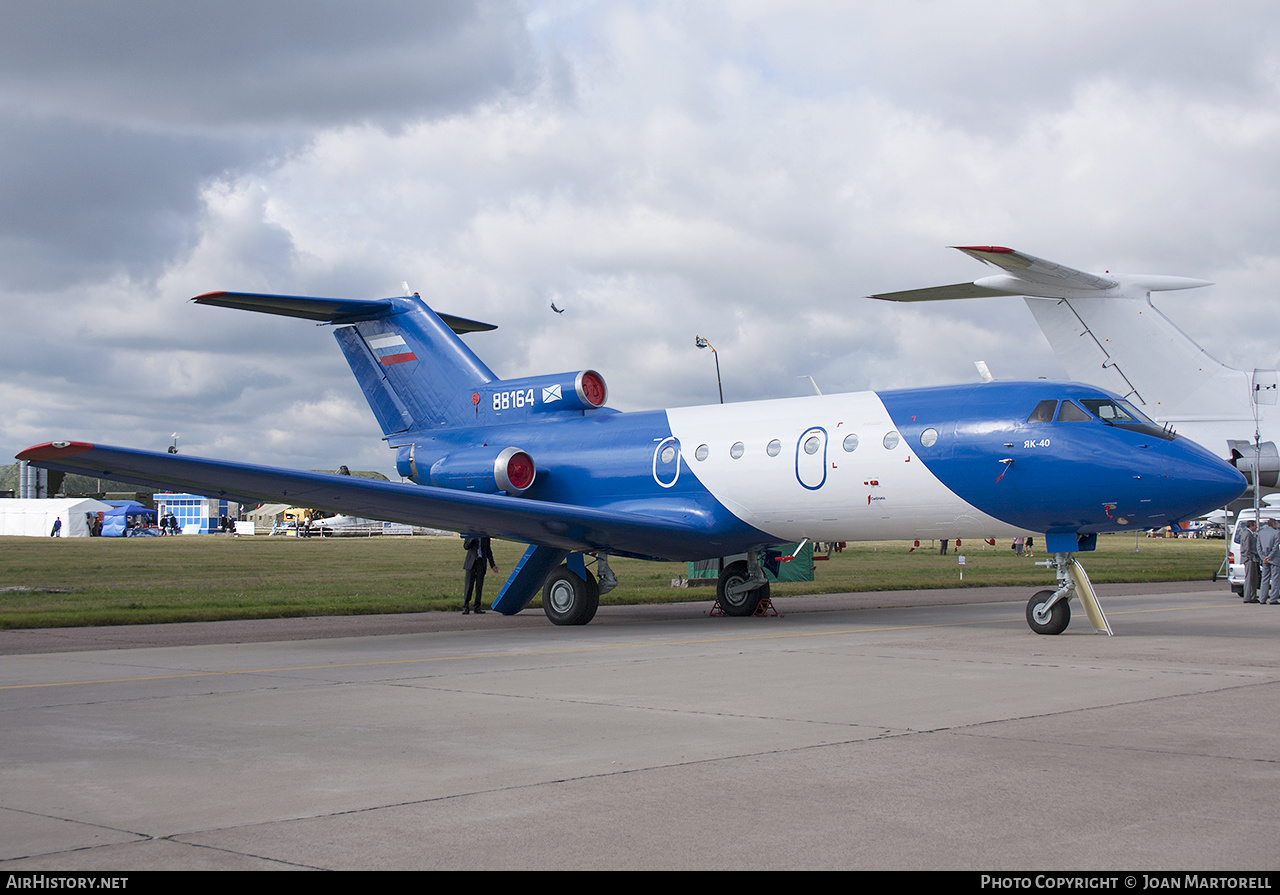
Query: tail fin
(408, 359)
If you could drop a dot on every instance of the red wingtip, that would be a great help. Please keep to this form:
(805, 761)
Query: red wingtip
(55, 450)
(995, 249)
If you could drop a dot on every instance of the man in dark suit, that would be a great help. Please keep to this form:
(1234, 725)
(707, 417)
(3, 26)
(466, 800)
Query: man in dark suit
(479, 552)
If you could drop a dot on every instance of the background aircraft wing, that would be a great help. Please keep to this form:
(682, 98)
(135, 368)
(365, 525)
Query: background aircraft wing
(939, 293)
(1036, 270)
(1023, 275)
(539, 522)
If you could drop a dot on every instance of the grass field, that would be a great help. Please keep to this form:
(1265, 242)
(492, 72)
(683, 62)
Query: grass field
(47, 582)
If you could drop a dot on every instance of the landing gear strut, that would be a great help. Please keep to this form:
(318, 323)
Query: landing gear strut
(1048, 611)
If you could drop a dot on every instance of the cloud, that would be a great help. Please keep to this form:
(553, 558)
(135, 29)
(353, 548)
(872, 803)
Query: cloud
(241, 64)
(115, 117)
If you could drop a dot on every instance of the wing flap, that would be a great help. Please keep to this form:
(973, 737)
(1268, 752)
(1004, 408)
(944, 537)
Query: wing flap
(538, 522)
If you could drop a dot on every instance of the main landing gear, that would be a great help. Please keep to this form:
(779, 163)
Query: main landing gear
(1049, 612)
(741, 586)
(571, 596)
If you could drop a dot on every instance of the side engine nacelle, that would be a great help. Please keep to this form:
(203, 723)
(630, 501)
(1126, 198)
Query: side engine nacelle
(487, 470)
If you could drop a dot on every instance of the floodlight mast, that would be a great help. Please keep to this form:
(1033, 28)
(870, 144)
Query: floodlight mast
(703, 343)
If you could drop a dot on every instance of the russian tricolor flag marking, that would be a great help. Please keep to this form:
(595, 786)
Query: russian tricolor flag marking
(390, 349)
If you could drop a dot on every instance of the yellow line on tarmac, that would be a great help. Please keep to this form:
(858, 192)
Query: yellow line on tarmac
(466, 656)
(563, 650)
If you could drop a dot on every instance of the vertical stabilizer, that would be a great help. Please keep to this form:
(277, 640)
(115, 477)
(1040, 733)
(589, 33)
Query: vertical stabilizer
(413, 369)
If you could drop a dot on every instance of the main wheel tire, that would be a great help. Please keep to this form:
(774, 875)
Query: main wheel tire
(1054, 621)
(744, 603)
(568, 600)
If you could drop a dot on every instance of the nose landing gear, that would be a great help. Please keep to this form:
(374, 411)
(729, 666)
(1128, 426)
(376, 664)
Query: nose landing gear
(1048, 611)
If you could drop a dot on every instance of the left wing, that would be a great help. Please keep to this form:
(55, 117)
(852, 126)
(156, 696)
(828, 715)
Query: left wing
(557, 525)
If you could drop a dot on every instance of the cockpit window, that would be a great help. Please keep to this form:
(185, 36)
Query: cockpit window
(1043, 412)
(1070, 413)
(1112, 412)
(1126, 416)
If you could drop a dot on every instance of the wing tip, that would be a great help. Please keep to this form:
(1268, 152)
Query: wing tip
(993, 250)
(55, 450)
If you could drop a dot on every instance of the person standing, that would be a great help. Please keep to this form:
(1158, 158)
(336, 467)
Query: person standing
(1252, 562)
(57, 528)
(1269, 552)
(479, 552)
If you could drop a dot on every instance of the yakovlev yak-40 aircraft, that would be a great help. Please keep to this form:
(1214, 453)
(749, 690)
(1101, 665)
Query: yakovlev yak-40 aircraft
(541, 460)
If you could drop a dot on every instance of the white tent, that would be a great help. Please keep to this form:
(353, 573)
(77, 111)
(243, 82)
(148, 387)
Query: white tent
(34, 518)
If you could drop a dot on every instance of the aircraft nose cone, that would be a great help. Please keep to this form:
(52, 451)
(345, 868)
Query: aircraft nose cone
(1206, 483)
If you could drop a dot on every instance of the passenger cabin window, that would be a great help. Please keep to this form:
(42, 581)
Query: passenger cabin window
(1070, 413)
(1043, 412)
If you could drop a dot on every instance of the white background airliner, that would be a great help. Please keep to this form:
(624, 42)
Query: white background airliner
(1106, 332)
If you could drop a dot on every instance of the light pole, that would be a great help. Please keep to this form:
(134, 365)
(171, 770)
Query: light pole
(703, 343)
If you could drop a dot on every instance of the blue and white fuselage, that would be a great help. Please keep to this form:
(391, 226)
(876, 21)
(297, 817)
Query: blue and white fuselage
(861, 466)
(542, 460)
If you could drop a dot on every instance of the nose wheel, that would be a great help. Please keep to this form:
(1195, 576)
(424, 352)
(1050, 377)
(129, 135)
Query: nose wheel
(1046, 616)
(1049, 612)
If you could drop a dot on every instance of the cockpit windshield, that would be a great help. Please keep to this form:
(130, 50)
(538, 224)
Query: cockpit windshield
(1114, 413)
(1125, 415)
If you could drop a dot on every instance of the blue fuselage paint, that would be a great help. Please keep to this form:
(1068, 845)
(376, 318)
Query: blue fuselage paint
(739, 477)
(1084, 476)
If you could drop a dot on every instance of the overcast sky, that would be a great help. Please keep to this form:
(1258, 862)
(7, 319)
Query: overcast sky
(746, 171)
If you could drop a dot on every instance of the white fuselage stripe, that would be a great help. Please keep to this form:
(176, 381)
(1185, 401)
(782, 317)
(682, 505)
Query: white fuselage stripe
(879, 490)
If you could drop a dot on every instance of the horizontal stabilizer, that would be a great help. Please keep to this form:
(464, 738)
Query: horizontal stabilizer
(941, 293)
(325, 310)
(570, 528)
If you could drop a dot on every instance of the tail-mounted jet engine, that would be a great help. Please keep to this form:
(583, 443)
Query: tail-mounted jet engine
(584, 390)
(1242, 457)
